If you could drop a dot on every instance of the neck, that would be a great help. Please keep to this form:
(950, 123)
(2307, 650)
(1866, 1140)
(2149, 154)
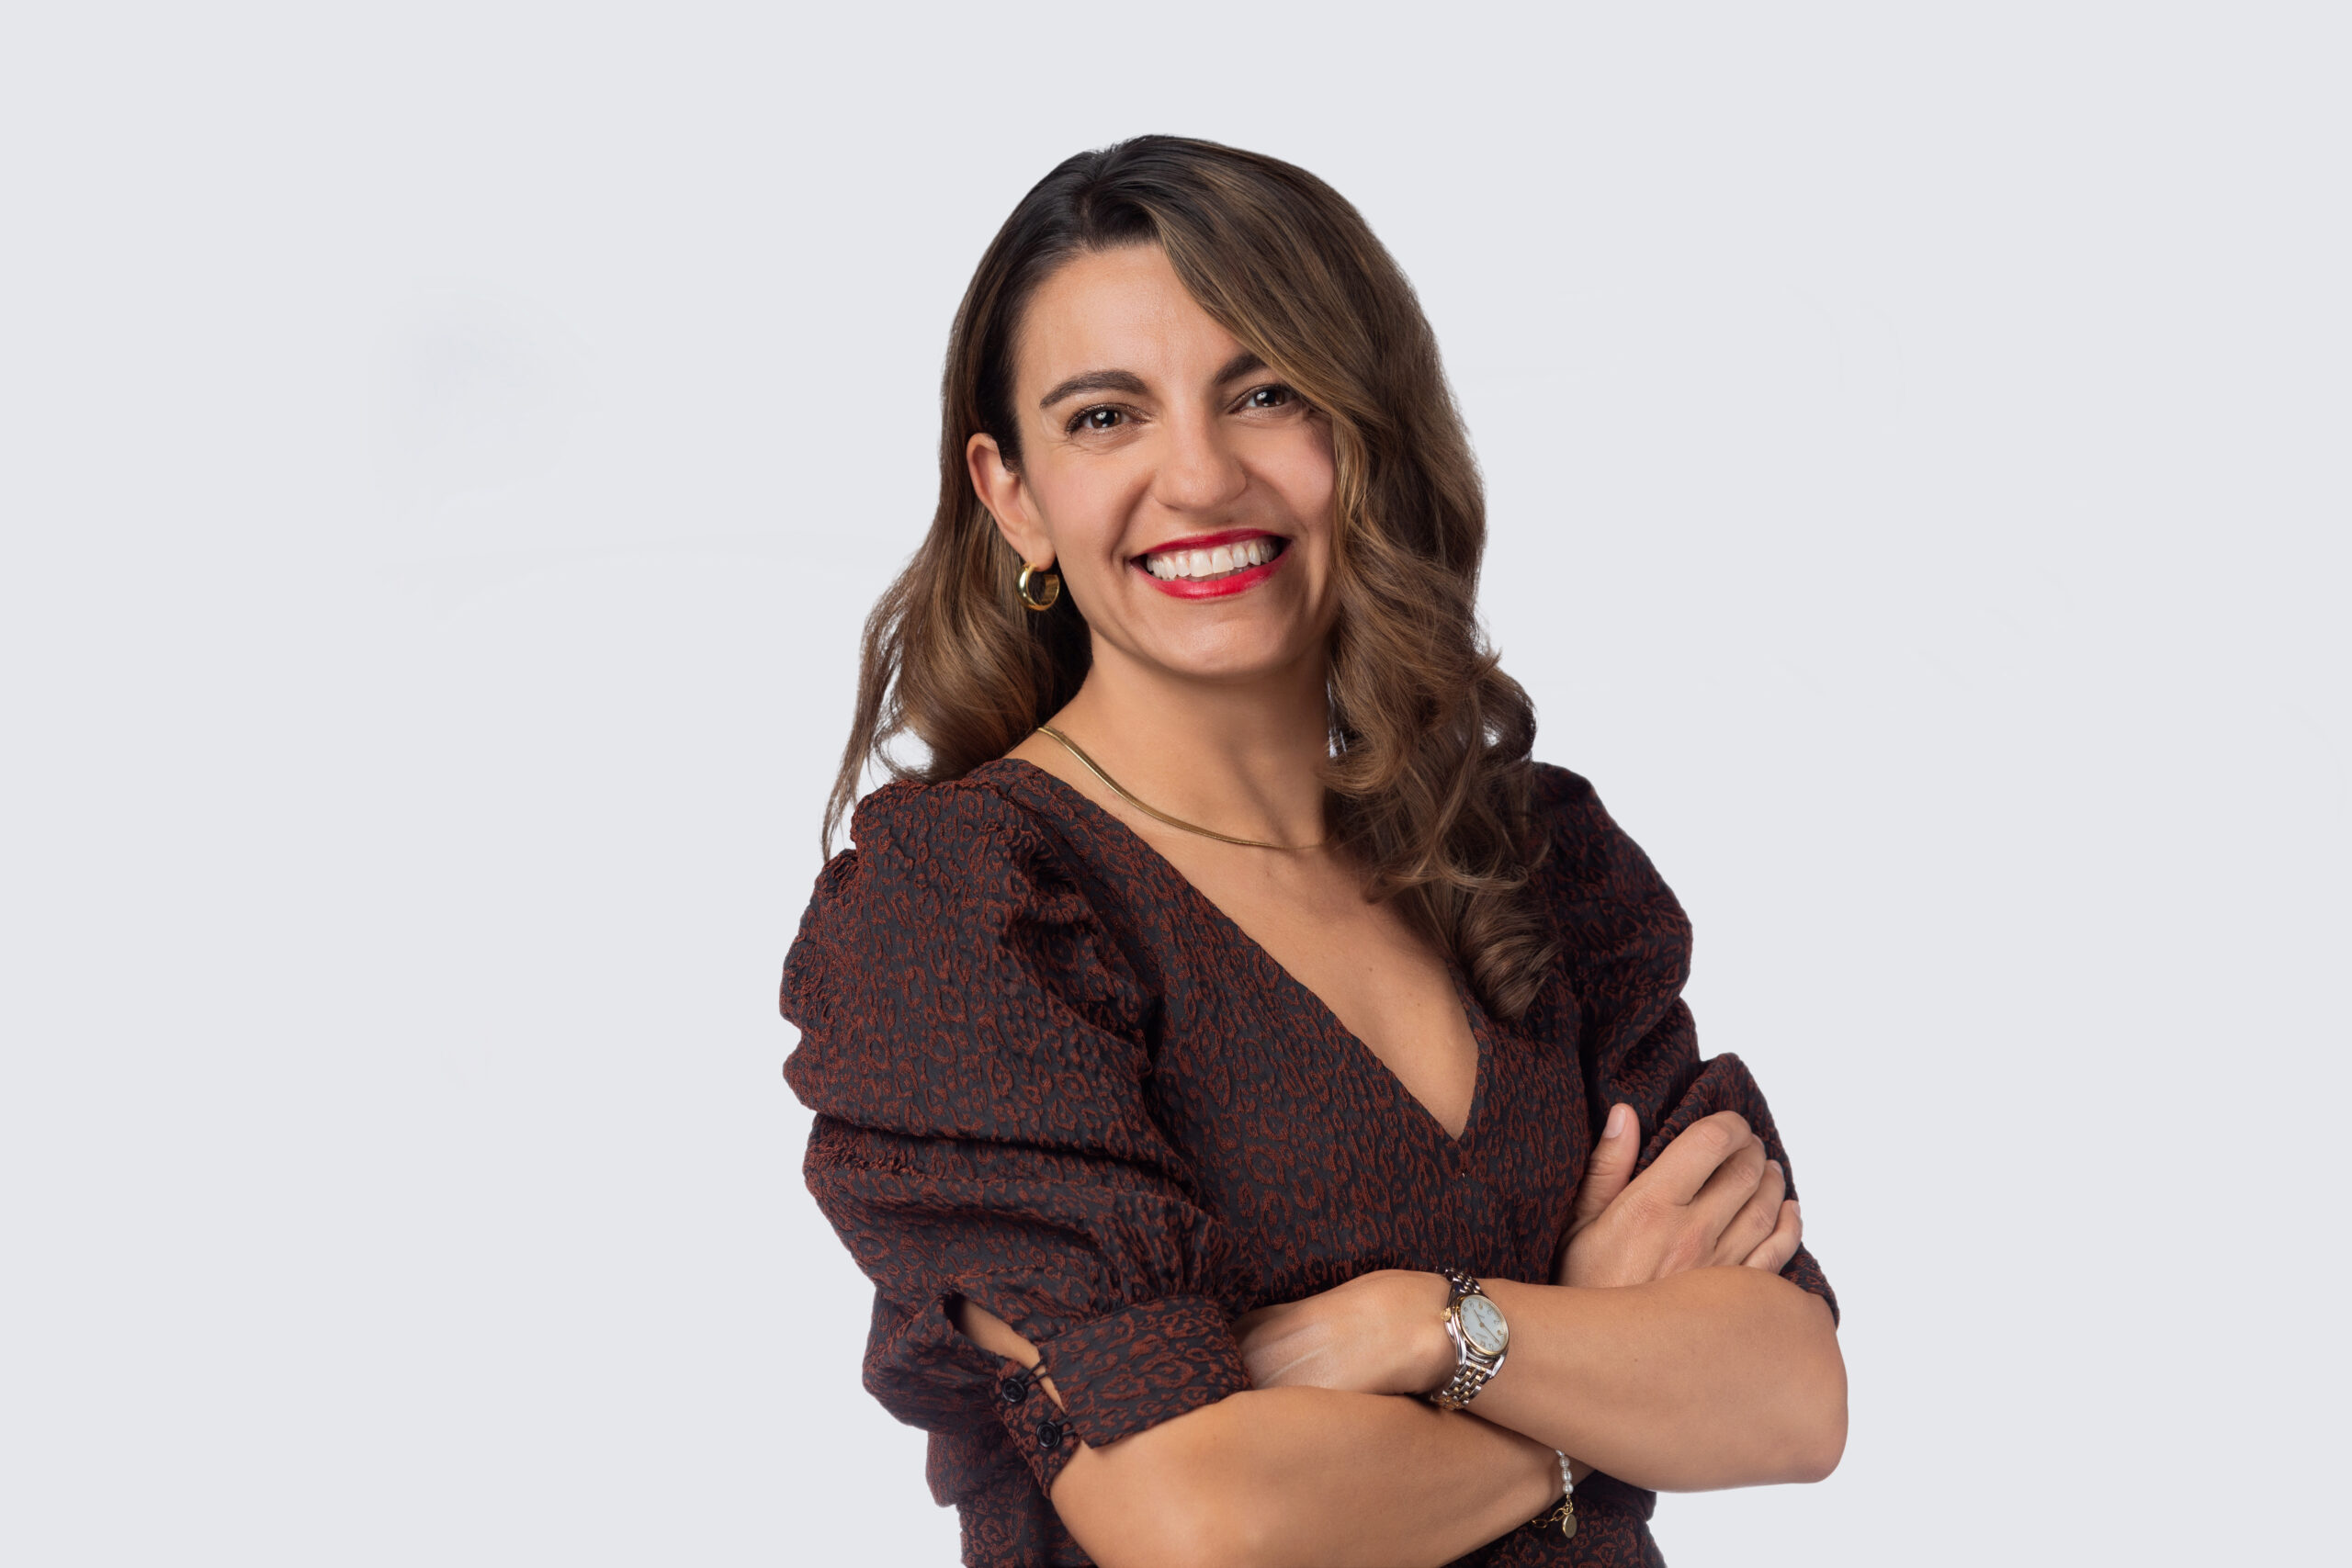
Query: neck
(1243, 757)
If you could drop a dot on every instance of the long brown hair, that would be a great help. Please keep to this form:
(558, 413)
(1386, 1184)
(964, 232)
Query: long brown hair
(1429, 775)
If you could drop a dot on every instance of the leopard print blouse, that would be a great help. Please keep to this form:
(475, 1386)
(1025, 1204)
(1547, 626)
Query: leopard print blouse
(1051, 1078)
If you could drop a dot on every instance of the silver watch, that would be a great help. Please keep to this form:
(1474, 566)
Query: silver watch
(1480, 1337)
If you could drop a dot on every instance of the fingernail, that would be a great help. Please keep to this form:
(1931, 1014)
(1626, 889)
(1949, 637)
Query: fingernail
(1773, 1166)
(1616, 1124)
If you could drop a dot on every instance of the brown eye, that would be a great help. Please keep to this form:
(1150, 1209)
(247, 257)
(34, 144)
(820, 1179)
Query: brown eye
(1270, 398)
(1099, 419)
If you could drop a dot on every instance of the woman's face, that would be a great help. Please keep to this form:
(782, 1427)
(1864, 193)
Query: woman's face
(1182, 489)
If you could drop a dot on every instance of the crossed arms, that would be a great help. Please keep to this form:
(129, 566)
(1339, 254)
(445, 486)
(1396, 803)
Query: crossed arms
(1666, 1350)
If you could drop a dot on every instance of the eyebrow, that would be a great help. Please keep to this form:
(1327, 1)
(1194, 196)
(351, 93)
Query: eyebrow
(1131, 384)
(1126, 381)
(1240, 365)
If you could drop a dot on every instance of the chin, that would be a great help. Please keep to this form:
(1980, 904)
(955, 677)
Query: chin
(1237, 659)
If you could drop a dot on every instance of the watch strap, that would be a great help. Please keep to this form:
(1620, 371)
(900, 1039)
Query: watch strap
(1471, 1369)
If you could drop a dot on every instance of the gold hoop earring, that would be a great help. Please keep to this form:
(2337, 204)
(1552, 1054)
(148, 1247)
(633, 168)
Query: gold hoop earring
(1049, 587)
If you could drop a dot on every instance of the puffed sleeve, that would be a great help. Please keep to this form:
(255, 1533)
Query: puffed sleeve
(1628, 953)
(976, 1048)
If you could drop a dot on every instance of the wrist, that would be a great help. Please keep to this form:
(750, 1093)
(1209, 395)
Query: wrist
(1425, 1355)
(1539, 1488)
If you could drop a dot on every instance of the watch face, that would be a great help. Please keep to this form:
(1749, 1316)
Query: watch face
(1483, 1325)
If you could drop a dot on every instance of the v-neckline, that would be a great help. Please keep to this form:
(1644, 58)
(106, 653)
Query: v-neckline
(1473, 1015)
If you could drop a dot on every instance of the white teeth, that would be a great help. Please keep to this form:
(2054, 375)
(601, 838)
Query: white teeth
(1170, 566)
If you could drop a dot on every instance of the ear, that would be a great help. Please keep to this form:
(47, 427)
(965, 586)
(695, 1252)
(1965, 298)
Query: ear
(1001, 489)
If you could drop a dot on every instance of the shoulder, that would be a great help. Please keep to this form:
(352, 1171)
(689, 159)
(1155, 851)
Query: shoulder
(945, 832)
(951, 976)
(1615, 914)
(1583, 845)
(963, 883)
(974, 851)
(930, 860)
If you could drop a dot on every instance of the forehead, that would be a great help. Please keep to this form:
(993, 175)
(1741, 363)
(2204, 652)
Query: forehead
(1122, 310)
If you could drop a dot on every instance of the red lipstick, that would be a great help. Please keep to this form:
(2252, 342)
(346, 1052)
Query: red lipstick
(1220, 587)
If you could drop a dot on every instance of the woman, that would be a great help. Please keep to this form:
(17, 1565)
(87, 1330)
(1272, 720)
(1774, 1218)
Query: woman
(1259, 1092)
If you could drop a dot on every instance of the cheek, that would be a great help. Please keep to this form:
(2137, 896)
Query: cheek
(1308, 480)
(1083, 507)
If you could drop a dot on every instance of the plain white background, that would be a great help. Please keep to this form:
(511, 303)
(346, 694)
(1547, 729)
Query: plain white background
(446, 451)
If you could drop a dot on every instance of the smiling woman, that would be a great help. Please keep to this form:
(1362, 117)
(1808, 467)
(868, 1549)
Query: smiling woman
(1324, 368)
(1232, 1054)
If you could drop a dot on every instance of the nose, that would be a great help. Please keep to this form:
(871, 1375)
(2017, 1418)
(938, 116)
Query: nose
(1199, 470)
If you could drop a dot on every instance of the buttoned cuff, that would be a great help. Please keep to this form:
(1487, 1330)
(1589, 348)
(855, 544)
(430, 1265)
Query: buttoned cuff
(1119, 1374)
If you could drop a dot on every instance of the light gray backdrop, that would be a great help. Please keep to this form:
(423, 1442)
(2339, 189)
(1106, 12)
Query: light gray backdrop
(446, 451)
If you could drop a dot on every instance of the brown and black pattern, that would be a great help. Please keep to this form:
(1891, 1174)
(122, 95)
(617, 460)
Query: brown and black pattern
(1051, 1078)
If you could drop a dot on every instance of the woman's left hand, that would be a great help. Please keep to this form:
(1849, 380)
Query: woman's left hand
(1380, 1332)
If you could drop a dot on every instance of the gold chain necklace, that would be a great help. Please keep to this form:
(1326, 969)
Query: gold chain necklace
(1157, 815)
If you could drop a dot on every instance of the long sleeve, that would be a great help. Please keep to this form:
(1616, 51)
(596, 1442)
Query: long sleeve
(977, 1052)
(1626, 946)
(1628, 953)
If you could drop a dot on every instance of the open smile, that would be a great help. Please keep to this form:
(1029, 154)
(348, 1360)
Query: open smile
(1211, 565)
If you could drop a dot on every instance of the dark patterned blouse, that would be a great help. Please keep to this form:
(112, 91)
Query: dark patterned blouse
(1050, 1077)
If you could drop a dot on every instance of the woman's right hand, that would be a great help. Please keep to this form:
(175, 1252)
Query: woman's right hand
(1711, 1197)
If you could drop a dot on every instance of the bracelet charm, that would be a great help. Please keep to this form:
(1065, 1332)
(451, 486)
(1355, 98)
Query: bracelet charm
(1564, 1512)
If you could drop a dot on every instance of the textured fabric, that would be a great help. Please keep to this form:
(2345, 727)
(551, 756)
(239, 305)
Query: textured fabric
(1052, 1078)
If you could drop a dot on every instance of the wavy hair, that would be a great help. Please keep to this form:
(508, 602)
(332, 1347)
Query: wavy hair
(1429, 776)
